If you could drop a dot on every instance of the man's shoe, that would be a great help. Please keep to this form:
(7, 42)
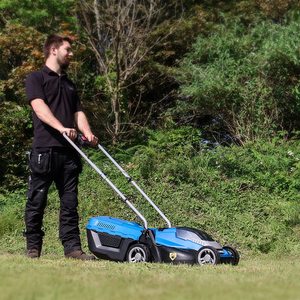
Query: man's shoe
(33, 253)
(79, 254)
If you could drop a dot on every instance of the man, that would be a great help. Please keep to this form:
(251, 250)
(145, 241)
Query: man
(56, 110)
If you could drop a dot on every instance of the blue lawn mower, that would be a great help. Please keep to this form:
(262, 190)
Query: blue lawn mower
(120, 240)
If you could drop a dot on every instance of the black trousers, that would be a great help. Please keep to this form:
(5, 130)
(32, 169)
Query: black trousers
(61, 166)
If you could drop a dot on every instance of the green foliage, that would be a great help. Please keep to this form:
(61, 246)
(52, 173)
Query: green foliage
(242, 74)
(11, 212)
(15, 130)
(45, 16)
(179, 34)
(246, 196)
(272, 165)
(165, 144)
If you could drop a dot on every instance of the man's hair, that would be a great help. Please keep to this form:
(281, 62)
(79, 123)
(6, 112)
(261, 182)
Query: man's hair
(54, 40)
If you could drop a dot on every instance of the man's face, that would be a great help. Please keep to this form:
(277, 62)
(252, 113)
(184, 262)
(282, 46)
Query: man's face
(64, 54)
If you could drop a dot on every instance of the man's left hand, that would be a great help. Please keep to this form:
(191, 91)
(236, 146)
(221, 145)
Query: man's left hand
(92, 139)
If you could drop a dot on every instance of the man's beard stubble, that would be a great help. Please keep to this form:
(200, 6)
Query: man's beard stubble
(63, 64)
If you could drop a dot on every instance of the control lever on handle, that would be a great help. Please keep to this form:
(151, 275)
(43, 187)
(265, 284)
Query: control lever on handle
(82, 141)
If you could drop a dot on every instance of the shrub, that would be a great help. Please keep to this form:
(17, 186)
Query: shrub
(15, 130)
(246, 196)
(247, 76)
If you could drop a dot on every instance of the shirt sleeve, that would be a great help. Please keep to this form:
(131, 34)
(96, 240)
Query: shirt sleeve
(34, 87)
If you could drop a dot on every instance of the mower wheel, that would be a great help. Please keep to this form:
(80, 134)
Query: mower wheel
(235, 255)
(208, 256)
(138, 253)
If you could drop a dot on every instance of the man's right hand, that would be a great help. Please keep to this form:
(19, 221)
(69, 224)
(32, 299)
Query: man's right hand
(44, 113)
(70, 132)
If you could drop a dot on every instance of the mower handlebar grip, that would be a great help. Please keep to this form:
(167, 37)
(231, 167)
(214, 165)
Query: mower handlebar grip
(82, 141)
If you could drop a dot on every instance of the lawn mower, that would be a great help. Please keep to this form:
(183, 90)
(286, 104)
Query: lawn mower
(120, 240)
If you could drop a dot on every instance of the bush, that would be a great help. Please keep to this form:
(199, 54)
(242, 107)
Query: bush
(246, 76)
(15, 130)
(248, 196)
(245, 196)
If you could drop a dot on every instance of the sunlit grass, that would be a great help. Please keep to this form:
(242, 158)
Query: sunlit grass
(53, 277)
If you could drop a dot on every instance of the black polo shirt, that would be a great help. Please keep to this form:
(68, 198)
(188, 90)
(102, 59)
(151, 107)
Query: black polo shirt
(60, 94)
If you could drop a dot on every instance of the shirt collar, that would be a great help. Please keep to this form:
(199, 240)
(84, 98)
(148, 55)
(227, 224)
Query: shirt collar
(51, 72)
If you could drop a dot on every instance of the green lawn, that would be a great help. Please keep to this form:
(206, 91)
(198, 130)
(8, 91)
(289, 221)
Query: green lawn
(53, 277)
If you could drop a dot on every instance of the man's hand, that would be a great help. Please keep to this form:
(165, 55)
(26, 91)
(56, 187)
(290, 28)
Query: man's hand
(83, 126)
(44, 113)
(93, 140)
(70, 132)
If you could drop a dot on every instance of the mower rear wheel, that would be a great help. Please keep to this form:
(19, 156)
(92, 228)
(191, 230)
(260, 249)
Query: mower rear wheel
(138, 253)
(208, 256)
(235, 255)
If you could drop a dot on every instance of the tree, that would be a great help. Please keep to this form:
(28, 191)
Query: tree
(118, 32)
(20, 54)
(44, 16)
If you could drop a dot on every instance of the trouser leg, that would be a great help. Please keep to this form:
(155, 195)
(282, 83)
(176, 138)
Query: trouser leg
(67, 182)
(34, 210)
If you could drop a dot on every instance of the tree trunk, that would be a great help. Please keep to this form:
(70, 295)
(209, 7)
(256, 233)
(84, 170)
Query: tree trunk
(117, 117)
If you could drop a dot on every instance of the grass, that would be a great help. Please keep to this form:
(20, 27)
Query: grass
(53, 277)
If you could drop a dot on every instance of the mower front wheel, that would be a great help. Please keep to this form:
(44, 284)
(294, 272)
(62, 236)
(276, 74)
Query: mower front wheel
(138, 253)
(208, 256)
(235, 255)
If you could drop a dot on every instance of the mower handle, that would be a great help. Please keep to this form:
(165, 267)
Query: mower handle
(82, 140)
(128, 177)
(108, 181)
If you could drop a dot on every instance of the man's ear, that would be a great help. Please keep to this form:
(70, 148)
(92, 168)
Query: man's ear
(53, 50)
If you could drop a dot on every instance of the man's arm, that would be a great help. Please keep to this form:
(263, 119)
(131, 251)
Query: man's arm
(44, 113)
(83, 125)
